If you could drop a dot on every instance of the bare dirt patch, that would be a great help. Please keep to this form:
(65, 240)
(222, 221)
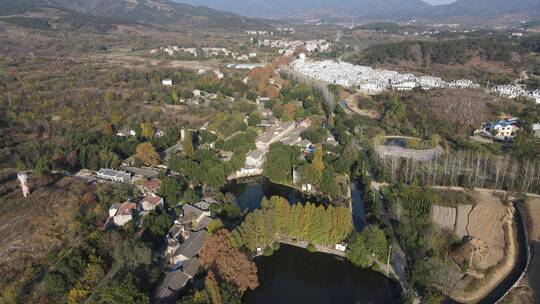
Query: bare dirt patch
(533, 205)
(486, 227)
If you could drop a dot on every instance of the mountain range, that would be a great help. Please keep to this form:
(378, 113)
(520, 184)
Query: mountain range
(159, 12)
(370, 8)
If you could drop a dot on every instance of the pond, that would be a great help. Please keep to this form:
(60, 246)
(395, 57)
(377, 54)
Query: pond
(294, 275)
(250, 192)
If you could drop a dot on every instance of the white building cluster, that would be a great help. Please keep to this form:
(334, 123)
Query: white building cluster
(512, 91)
(288, 47)
(369, 80)
(205, 52)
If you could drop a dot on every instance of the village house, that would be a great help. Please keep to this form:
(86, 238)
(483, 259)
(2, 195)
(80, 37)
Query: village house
(190, 248)
(114, 175)
(536, 130)
(150, 185)
(126, 133)
(255, 158)
(122, 213)
(150, 202)
(503, 130)
(175, 280)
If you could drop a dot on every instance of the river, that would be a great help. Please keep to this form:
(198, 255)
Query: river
(294, 275)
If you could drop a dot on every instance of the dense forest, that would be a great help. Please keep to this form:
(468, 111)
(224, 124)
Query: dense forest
(458, 51)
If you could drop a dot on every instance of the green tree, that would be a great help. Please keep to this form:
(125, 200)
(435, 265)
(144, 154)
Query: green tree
(357, 251)
(43, 166)
(318, 166)
(187, 145)
(171, 190)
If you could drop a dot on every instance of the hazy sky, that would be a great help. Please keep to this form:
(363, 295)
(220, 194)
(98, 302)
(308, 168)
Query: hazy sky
(435, 2)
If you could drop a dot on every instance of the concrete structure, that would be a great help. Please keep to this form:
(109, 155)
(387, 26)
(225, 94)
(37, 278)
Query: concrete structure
(341, 247)
(23, 178)
(167, 82)
(114, 175)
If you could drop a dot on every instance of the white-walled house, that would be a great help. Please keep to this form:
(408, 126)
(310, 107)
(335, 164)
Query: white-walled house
(150, 202)
(255, 158)
(167, 82)
(114, 175)
(124, 213)
(536, 130)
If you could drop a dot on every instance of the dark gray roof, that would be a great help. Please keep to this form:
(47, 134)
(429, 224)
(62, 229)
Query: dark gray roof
(203, 223)
(193, 245)
(189, 209)
(168, 290)
(190, 267)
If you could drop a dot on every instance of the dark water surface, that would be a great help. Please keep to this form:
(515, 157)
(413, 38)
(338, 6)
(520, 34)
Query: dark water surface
(250, 192)
(294, 275)
(358, 209)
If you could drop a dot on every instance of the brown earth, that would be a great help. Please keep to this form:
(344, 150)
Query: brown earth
(33, 227)
(492, 227)
(486, 226)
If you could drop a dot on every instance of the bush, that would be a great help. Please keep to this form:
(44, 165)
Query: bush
(268, 251)
(276, 246)
(311, 248)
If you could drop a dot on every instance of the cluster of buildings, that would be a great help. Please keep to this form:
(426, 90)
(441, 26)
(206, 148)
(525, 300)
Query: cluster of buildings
(288, 133)
(122, 213)
(185, 240)
(512, 91)
(205, 52)
(369, 80)
(288, 47)
(285, 30)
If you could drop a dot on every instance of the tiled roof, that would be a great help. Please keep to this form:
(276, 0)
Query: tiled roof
(151, 199)
(193, 245)
(126, 208)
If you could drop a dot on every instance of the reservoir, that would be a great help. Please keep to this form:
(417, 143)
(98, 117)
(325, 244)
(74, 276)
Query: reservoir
(295, 276)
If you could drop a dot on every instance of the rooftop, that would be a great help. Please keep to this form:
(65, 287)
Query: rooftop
(193, 245)
(126, 208)
(151, 199)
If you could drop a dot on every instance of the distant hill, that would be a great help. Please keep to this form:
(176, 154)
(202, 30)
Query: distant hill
(162, 12)
(391, 9)
(486, 8)
(303, 8)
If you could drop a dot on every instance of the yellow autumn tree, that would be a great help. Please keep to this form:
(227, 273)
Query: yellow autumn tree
(318, 165)
(147, 131)
(146, 153)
